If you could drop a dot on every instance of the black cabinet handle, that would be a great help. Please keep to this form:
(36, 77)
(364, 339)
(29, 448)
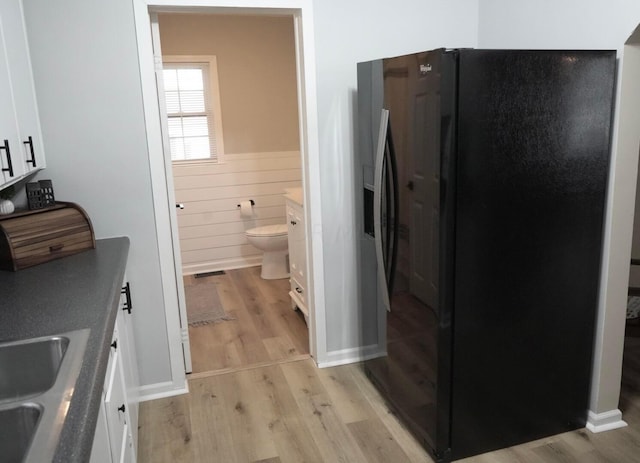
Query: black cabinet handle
(7, 151)
(114, 344)
(293, 222)
(298, 290)
(179, 206)
(33, 155)
(121, 408)
(126, 290)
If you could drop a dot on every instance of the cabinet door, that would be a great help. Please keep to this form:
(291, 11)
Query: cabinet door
(9, 138)
(126, 448)
(299, 265)
(116, 429)
(128, 452)
(101, 450)
(301, 250)
(116, 408)
(297, 256)
(29, 152)
(124, 323)
(291, 231)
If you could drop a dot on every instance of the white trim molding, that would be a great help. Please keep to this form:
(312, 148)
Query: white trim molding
(161, 198)
(607, 421)
(230, 264)
(618, 234)
(161, 391)
(352, 355)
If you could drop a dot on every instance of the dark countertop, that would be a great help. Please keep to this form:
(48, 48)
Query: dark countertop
(76, 292)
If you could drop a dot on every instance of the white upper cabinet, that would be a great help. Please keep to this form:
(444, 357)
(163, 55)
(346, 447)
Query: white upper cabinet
(21, 150)
(9, 138)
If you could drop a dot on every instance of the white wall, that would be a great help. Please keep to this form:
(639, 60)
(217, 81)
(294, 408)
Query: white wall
(579, 24)
(87, 81)
(347, 33)
(584, 24)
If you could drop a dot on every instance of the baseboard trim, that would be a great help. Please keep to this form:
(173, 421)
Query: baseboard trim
(351, 355)
(160, 391)
(227, 264)
(268, 363)
(607, 421)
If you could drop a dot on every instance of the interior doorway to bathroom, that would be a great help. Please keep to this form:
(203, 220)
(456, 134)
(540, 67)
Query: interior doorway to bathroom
(243, 68)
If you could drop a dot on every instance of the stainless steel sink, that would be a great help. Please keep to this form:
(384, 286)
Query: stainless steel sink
(29, 368)
(18, 426)
(37, 381)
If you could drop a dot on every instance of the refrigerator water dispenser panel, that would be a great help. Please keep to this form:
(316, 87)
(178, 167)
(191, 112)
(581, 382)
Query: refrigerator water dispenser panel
(369, 229)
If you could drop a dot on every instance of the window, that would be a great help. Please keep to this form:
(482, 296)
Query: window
(193, 128)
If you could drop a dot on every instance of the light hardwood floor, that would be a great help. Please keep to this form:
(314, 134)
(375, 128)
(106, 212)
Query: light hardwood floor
(294, 412)
(265, 329)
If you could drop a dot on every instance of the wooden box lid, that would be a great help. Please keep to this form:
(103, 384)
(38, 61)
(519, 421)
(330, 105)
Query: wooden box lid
(33, 237)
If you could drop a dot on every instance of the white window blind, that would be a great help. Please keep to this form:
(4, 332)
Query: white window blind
(190, 119)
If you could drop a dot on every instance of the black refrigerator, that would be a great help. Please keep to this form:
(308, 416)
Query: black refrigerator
(481, 179)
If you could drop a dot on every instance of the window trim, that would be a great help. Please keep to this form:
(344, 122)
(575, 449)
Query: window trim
(212, 88)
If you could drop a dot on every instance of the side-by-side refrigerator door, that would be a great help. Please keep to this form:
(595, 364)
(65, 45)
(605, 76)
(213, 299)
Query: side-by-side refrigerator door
(372, 304)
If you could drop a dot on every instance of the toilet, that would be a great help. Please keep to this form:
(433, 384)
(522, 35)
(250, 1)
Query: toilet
(272, 240)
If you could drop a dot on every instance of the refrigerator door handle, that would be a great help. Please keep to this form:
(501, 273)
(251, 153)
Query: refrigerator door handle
(377, 207)
(393, 218)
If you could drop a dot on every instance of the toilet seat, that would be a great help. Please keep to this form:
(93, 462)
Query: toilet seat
(268, 230)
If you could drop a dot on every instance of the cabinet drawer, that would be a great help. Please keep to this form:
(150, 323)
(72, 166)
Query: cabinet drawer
(34, 237)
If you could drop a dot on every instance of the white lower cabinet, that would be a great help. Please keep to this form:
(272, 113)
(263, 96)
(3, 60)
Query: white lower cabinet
(115, 438)
(116, 413)
(101, 450)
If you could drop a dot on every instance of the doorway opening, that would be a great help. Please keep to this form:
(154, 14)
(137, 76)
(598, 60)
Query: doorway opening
(162, 178)
(229, 108)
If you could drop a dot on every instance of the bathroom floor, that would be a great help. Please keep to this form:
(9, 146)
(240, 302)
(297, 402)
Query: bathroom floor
(264, 329)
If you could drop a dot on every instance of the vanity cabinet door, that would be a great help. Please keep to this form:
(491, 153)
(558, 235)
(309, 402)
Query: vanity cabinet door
(297, 256)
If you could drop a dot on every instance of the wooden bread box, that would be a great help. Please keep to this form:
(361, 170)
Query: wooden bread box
(34, 237)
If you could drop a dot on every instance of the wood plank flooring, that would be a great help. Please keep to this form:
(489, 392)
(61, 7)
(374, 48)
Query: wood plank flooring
(294, 412)
(264, 328)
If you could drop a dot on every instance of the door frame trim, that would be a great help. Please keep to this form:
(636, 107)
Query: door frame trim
(164, 209)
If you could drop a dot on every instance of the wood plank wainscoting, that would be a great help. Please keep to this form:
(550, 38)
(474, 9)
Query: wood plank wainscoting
(294, 412)
(210, 227)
